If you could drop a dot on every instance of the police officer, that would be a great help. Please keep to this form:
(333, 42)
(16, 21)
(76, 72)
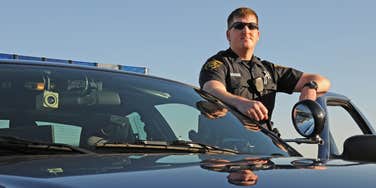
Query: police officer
(248, 83)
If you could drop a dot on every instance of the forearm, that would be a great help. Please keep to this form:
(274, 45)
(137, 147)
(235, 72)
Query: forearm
(225, 96)
(252, 108)
(322, 83)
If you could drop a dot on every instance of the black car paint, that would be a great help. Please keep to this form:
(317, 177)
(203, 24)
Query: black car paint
(177, 170)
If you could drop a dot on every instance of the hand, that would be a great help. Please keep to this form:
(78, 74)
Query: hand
(242, 177)
(253, 109)
(308, 93)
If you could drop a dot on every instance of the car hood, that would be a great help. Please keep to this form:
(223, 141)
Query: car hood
(193, 170)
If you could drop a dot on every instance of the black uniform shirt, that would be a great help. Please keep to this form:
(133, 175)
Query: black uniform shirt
(255, 79)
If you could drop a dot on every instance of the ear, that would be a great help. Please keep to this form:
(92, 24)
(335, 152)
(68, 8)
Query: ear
(228, 35)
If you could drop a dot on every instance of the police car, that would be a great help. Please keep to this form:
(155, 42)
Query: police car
(76, 124)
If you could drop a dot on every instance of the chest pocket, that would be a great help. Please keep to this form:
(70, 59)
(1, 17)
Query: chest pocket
(237, 79)
(238, 84)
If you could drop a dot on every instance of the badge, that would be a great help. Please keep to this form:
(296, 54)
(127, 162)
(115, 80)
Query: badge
(266, 77)
(258, 82)
(213, 64)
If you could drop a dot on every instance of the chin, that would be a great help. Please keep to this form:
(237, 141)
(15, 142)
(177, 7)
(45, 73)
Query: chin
(248, 46)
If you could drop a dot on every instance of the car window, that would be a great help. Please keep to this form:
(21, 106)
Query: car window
(4, 124)
(62, 133)
(80, 107)
(182, 118)
(342, 126)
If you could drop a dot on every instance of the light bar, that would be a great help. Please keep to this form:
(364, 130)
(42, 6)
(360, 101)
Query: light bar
(142, 70)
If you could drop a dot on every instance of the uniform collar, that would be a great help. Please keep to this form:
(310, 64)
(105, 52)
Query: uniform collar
(230, 53)
(254, 60)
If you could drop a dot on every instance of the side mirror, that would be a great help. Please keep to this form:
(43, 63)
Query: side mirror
(360, 148)
(308, 118)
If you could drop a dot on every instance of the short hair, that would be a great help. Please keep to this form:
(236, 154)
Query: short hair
(240, 13)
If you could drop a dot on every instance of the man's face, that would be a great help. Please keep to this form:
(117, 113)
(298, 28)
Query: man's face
(245, 38)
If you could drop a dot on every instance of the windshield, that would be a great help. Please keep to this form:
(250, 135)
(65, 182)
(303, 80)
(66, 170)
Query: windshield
(83, 108)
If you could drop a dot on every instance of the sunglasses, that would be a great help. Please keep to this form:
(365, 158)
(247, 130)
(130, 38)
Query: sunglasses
(241, 25)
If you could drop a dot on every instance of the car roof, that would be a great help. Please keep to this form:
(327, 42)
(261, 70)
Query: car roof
(84, 67)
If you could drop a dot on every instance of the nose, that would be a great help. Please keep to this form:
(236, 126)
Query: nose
(245, 30)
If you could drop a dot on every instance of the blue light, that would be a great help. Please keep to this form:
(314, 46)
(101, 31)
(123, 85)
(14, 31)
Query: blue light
(142, 70)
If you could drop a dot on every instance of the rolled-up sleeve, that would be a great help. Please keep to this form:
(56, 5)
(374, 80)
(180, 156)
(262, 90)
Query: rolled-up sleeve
(287, 78)
(213, 70)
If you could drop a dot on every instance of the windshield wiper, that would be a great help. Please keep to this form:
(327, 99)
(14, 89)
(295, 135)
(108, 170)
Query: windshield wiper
(208, 148)
(24, 146)
(179, 146)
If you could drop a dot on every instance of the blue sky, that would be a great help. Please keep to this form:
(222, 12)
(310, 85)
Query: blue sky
(335, 38)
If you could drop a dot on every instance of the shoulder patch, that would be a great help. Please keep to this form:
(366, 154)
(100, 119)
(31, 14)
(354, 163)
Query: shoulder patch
(213, 64)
